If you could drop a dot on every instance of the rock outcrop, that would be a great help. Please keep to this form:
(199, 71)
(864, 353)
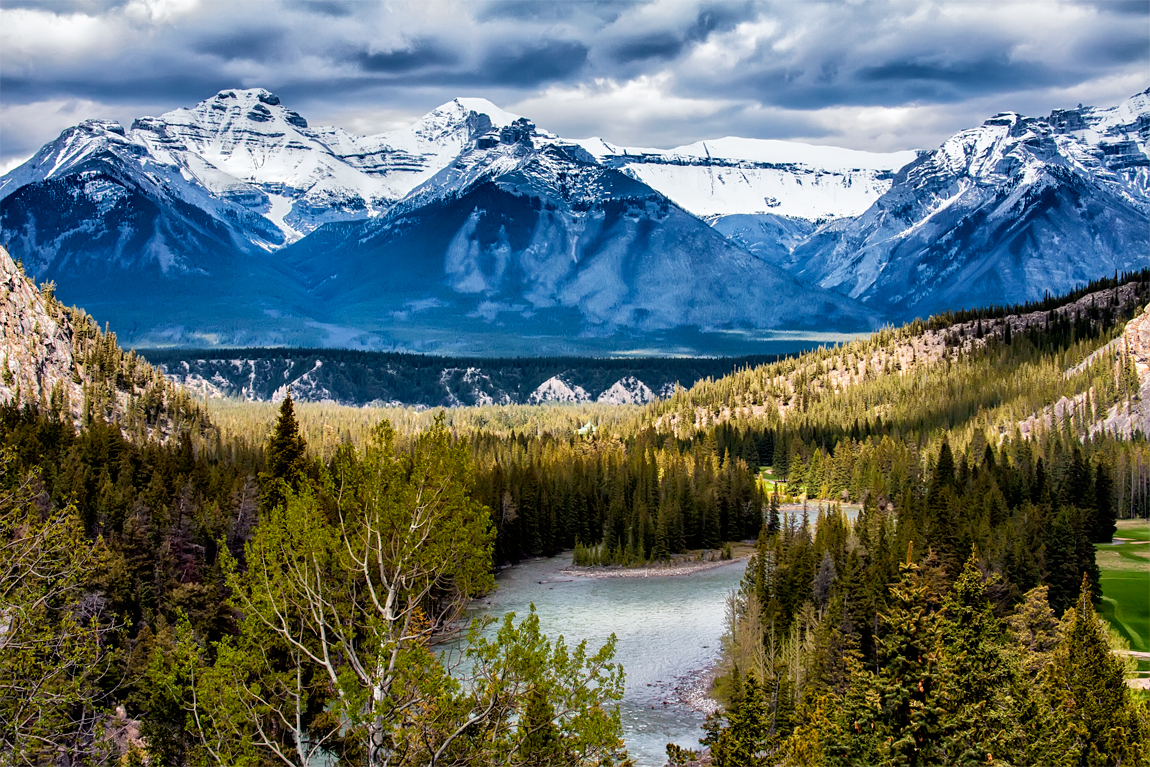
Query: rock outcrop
(56, 358)
(1133, 415)
(37, 363)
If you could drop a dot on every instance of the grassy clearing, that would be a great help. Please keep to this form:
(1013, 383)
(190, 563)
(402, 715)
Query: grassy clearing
(1133, 530)
(1125, 570)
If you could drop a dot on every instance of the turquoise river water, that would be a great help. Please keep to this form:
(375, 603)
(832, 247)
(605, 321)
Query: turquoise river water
(668, 627)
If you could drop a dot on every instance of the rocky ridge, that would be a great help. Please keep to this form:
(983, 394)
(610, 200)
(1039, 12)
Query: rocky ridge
(1000, 213)
(37, 363)
(57, 359)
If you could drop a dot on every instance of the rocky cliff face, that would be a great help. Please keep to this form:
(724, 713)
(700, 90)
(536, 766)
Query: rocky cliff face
(57, 359)
(37, 363)
(1133, 415)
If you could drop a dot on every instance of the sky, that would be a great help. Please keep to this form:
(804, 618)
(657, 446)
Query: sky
(874, 75)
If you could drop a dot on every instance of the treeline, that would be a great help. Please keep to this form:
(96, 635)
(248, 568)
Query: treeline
(1138, 280)
(914, 381)
(625, 501)
(959, 627)
(361, 377)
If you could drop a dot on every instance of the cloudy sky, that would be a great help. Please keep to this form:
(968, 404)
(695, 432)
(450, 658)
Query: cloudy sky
(866, 75)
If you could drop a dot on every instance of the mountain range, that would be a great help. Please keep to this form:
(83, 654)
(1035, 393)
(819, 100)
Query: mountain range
(235, 223)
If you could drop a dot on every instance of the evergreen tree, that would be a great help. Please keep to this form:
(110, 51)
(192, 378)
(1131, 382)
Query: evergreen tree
(893, 716)
(743, 736)
(1087, 682)
(1105, 512)
(286, 457)
(981, 722)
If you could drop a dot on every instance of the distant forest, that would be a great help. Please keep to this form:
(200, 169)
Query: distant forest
(362, 377)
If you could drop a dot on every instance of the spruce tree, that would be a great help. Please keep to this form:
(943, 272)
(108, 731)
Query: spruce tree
(1105, 513)
(1087, 681)
(981, 722)
(286, 457)
(893, 715)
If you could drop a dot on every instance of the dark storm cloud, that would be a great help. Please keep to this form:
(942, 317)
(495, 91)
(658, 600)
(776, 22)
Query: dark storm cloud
(887, 54)
(182, 89)
(668, 43)
(649, 70)
(537, 10)
(661, 45)
(334, 8)
(252, 45)
(419, 56)
(546, 62)
(1126, 7)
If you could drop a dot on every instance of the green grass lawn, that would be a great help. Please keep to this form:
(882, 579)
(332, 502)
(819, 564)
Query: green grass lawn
(1126, 582)
(1133, 529)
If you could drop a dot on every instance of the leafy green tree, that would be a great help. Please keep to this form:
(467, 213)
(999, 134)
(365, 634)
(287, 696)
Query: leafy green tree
(342, 604)
(529, 701)
(53, 633)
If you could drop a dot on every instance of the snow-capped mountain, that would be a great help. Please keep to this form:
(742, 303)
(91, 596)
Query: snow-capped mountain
(536, 235)
(1001, 213)
(235, 222)
(245, 151)
(748, 176)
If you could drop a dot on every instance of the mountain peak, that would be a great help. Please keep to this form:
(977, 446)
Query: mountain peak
(498, 116)
(262, 95)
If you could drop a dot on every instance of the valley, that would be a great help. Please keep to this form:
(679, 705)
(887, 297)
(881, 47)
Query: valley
(468, 444)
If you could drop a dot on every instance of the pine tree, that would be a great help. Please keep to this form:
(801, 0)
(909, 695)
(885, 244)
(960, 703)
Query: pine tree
(286, 457)
(981, 722)
(1087, 682)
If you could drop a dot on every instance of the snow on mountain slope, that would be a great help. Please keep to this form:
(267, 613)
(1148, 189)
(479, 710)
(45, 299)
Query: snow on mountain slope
(746, 176)
(534, 236)
(242, 152)
(235, 222)
(1001, 213)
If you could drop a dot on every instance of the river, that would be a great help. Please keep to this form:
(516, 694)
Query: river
(667, 627)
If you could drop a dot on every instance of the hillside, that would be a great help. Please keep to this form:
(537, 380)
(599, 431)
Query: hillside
(359, 378)
(57, 359)
(1080, 359)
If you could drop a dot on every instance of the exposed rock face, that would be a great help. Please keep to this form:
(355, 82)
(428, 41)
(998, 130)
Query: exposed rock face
(555, 389)
(57, 358)
(627, 391)
(1133, 416)
(37, 363)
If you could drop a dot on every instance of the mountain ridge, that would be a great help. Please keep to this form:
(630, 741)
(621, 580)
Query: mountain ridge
(235, 222)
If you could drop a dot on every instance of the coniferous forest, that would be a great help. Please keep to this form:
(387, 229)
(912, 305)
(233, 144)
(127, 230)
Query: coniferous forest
(254, 584)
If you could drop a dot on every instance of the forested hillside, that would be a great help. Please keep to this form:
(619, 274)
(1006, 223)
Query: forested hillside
(381, 379)
(273, 587)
